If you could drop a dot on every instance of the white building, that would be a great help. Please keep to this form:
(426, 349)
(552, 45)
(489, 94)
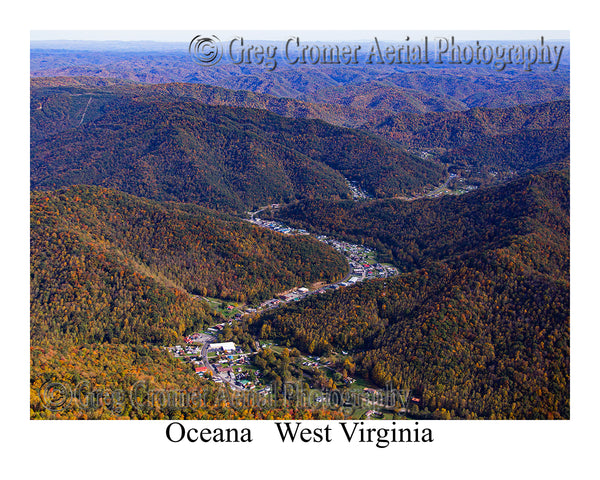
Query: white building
(226, 346)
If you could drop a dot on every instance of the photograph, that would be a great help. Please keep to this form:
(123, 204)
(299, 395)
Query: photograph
(362, 226)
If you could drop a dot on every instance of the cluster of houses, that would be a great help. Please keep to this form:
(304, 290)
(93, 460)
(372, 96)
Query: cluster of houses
(230, 365)
(357, 192)
(229, 368)
(226, 366)
(360, 269)
(312, 361)
(296, 294)
(219, 327)
(185, 351)
(357, 256)
(364, 271)
(190, 354)
(278, 227)
(271, 303)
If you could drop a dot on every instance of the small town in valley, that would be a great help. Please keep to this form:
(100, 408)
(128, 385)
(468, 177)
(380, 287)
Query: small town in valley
(228, 364)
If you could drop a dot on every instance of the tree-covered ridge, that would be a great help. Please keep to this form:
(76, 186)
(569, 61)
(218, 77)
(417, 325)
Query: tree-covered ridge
(413, 233)
(489, 339)
(482, 329)
(530, 150)
(175, 148)
(44, 88)
(82, 288)
(518, 139)
(106, 265)
(457, 129)
(453, 128)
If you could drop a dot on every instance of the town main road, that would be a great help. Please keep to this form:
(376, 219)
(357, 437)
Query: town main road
(213, 371)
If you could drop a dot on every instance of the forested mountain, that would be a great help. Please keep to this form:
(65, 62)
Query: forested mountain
(458, 129)
(111, 277)
(481, 327)
(175, 148)
(108, 265)
(43, 88)
(369, 107)
(520, 152)
(519, 139)
(413, 233)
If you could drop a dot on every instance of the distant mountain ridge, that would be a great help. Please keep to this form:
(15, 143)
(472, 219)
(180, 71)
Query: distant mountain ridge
(412, 88)
(501, 138)
(166, 147)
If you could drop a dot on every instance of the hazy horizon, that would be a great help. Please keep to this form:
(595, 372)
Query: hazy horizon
(185, 36)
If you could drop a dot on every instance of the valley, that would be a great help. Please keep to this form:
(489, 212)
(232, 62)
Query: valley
(298, 244)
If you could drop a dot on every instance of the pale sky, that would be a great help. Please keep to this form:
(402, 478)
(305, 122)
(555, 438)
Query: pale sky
(308, 35)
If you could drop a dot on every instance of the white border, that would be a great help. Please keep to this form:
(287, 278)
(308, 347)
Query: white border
(462, 449)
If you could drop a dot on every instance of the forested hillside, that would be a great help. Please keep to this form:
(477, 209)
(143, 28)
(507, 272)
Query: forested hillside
(520, 152)
(175, 148)
(459, 129)
(106, 265)
(518, 139)
(112, 278)
(481, 327)
(410, 234)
